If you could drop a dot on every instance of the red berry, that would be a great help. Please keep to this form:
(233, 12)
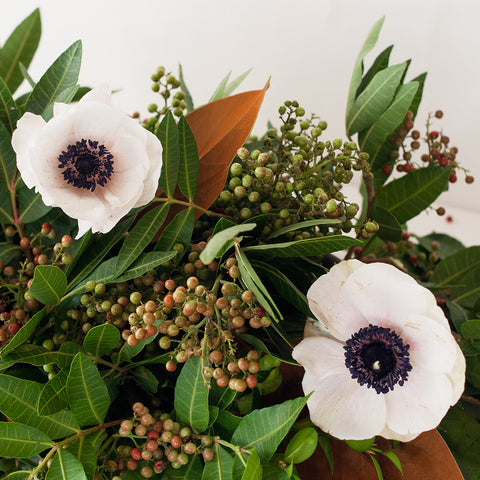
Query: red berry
(407, 167)
(453, 178)
(136, 454)
(13, 328)
(443, 161)
(433, 134)
(387, 169)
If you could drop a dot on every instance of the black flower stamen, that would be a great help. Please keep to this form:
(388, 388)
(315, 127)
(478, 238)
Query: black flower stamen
(86, 164)
(378, 358)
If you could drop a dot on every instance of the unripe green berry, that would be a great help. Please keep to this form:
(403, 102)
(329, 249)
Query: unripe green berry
(331, 206)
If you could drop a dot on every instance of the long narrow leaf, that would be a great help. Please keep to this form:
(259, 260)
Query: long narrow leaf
(9, 113)
(178, 231)
(183, 86)
(168, 134)
(189, 162)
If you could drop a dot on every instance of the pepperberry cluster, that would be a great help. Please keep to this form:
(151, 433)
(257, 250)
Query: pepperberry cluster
(157, 441)
(293, 176)
(17, 305)
(406, 141)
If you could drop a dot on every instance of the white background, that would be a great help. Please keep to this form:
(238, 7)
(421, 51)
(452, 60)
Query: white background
(308, 47)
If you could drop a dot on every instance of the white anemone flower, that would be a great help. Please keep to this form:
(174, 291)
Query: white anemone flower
(91, 160)
(380, 359)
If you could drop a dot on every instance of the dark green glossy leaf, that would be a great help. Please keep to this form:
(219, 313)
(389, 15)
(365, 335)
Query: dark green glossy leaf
(49, 284)
(191, 471)
(420, 79)
(189, 162)
(139, 237)
(191, 396)
(216, 244)
(168, 134)
(85, 449)
(411, 194)
(22, 441)
(448, 245)
(20, 48)
(178, 231)
(144, 263)
(183, 86)
(226, 423)
(309, 247)
(65, 466)
(101, 339)
(326, 446)
(375, 98)
(264, 429)
(77, 249)
(303, 226)
(146, 379)
(18, 402)
(380, 63)
(87, 393)
(8, 251)
(61, 75)
(220, 468)
(390, 228)
(53, 397)
(24, 333)
(31, 205)
(9, 113)
(104, 273)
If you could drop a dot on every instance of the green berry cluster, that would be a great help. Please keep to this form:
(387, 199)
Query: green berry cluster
(292, 176)
(168, 87)
(156, 441)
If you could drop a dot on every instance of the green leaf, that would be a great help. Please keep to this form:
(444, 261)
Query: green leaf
(218, 93)
(53, 397)
(375, 99)
(28, 78)
(379, 64)
(49, 284)
(378, 469)
(226, 423)
(7, 171)
(146, 379)
(361, 445)
(24, 333)
(448, 244)
(85, 449)
(144, 263)
(9, 113)
(19, 475)
(303, 226)
(357, 73)
(179, 230)
(220, 467)
(77, 249)
(18, 402)
(471, 329)
(462, 434)
(309, 247)
(372, 140)
(326, 446)
(8, 251)
(65, 466)
(221, 397)
(168, 134)
(458, 315)
(139, 237)
(420, 79)
(104, 273)
(411, 194)
(101, 339)
(183, 87)
(252, 281)
(189, 161)
(390, 228)
(284, 286)
(271, 471)
(20, 48)
(191, 396)
(264, 429)
(87, 393)
(21, 441)
(451, 271)
(65, 96)
(235, 83)
(61, 75)
(216, 244)
(94, 255)
(393, 457)
(191, 471)
(253, 470)
(31, 205)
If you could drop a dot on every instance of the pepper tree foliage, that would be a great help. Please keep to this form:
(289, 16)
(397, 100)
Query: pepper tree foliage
(150, 352)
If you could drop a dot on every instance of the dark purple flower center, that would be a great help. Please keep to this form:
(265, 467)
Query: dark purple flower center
(378, 358)
(86, 164)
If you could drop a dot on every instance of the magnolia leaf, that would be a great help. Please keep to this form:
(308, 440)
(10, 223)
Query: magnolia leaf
(87, 393)
(101, 339)
(191, 396)
(20, 47)
(19, 400)
(216, 244)
(411, 194)
(220, 467)
(9, 113)
(24, 333)
(139, 237)
(220, 128)
(308, 247)
(189, 165)
(65, 466)
(53, 397)
(49, 284)
(31, 205)
(357, 73)
(375, 99)
(265, 428)
(22, 441)
(61, 75)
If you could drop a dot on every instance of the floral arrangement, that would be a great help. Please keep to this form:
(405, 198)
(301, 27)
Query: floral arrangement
(166, 283)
